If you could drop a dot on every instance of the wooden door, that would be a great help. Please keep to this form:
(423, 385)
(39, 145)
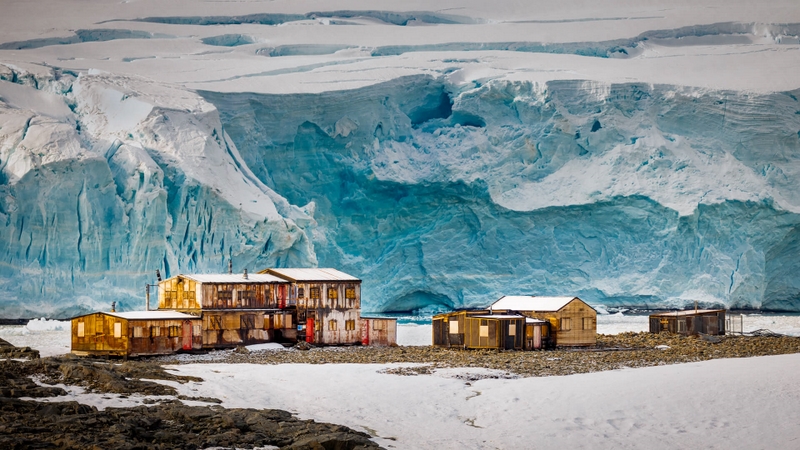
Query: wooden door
(281, 296)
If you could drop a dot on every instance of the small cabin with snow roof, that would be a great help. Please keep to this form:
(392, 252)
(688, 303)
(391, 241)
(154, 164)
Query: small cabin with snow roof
(572, 321)
(136, 333)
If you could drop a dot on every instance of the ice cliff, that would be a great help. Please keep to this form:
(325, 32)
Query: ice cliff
(106, 178)
(441, 192)
(438, 192)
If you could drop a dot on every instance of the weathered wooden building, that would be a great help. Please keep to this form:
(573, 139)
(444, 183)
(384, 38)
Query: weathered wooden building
(572, 321)
(689, 322)
(236, 309)
(482, 329)
(137, 333)
(378, 331)
(327, 305)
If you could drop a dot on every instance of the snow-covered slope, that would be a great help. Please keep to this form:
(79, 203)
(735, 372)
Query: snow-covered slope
(639, 154)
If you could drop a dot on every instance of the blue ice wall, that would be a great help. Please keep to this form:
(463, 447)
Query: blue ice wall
(388, 167)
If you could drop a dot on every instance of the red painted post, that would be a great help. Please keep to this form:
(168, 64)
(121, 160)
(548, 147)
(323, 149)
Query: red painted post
(365, 332)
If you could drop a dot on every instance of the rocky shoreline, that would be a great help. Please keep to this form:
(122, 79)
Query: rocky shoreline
(169, 423)
(612, 352)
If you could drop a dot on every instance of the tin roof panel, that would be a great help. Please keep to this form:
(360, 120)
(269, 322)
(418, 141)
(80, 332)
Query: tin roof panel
(688, 312)
(318, 274)
(531, 303)
(234, 278)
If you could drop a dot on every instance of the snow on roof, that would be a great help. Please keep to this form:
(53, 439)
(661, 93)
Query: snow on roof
(688, 312)
(313, 274)
(234, 278)
(531, 303)
(500, 316)
(530, 320)
(151, 315)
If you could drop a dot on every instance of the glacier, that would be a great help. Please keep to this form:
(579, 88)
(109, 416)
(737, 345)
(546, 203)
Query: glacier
(104, 182)
(640, 156)
(445, 196)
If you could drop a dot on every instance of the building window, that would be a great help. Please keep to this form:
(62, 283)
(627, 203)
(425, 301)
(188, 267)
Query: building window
(247, 298)
(379, 325)
(301, 292)
(317, 325)
(566, 324)
(174, 331)
(512, 329)
(682, 326)
(588, 323)
(333, 293)
(332, 325)
(117, 330)
(197, 330)
(155, 332)
(81, 329)
(224, 295)
(453, 326)
(350, 293)
(313, 293)
(350, 325)
(138, 332)
(484, 331)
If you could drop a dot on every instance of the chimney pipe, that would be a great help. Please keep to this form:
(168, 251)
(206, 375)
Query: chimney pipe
(245, 273)
(158, 275)
(113, 306)
(230, 266)
(147, 297)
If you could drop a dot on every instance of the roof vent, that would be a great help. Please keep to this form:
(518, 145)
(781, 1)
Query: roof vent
(245, 273)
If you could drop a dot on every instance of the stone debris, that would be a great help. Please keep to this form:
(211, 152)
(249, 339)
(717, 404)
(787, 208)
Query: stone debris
(611, 352)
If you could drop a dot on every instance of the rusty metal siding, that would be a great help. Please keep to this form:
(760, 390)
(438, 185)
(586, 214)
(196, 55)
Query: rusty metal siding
(104, 334)
(178, 293)
(238, 296)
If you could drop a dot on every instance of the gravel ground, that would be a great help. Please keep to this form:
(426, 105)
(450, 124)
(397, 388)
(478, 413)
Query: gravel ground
(612, 352)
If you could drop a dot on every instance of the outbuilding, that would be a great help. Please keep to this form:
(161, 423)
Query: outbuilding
(137, 333)
(689, 322)
(573, 323)
(480, 329)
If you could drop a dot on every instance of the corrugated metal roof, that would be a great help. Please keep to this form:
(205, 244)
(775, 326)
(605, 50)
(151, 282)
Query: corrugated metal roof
(234, 278)
(151, 315)
(688, 312)
(531, 303)
(313, 274)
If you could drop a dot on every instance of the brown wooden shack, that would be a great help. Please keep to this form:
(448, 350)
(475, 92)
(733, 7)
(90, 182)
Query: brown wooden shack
(327, 305)
(481, 329)
(378, 331)
(689, 322)
(236, 309)
(573, 323)
(137, 333)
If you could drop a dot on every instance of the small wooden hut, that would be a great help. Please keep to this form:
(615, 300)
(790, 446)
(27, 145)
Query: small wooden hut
(480, 329)
(378, 331)
(137, 333)
(573, 322)
(689, 322)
